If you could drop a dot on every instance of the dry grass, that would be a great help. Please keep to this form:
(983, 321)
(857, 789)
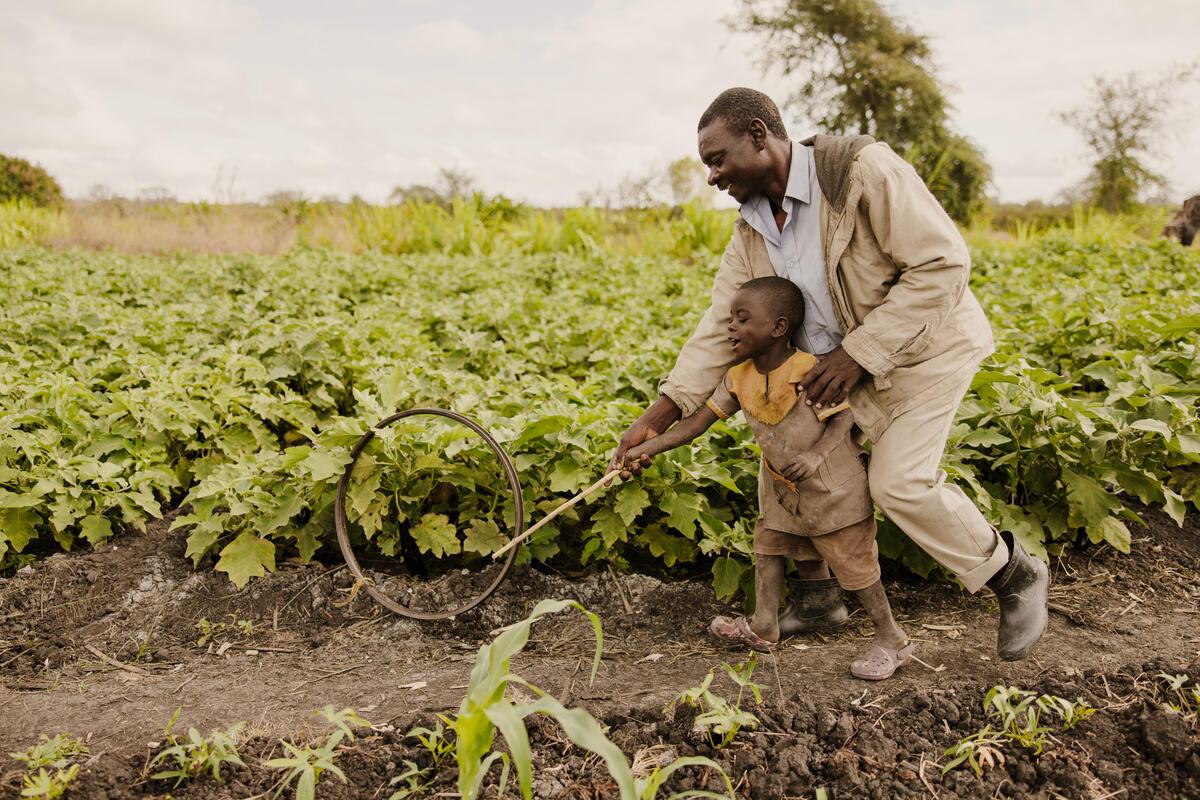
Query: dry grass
(130, 227)
(471, 226)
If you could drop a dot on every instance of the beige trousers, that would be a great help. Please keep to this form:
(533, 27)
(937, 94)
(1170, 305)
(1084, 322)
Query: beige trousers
(909, 486)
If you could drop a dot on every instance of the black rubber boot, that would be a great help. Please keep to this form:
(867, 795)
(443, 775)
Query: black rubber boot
(1021, 587)
(813, 605)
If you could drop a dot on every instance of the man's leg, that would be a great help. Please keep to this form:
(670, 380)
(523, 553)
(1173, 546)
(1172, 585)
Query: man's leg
(908, 484)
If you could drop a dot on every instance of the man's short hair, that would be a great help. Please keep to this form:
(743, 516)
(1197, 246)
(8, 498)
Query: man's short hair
(781, 297)
(739, 106)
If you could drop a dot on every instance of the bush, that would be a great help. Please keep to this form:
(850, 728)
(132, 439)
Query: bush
(20, 180)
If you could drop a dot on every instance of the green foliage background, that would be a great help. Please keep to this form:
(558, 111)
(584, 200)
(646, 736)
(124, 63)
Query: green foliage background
(236, 384)
(20, 180)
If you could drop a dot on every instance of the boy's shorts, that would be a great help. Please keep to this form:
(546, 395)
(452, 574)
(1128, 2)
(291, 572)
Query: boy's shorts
(851, 552)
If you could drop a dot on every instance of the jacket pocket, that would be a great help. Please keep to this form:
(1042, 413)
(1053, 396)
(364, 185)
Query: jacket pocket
(915, 344)
(841, 465)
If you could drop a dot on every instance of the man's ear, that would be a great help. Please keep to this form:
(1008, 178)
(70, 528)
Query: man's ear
(758, 133)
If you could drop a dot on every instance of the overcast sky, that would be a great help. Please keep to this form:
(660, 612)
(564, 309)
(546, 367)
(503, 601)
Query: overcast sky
(538, 99)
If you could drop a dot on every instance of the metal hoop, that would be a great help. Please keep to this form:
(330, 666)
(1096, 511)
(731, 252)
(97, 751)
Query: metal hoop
(343, 536)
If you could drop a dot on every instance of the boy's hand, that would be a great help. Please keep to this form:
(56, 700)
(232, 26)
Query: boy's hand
(653, 421)
(802, 466)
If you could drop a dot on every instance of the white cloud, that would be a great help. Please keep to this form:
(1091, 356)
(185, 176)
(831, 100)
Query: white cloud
(539, 101)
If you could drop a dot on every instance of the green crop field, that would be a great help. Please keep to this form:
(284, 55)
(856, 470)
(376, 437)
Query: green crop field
(233, 387)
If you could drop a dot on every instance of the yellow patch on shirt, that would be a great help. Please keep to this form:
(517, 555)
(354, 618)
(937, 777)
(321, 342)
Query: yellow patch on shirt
(769, 398)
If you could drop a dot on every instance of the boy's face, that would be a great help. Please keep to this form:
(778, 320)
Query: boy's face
(752, 328)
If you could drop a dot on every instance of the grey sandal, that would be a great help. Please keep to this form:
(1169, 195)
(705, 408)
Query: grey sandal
(881, 662)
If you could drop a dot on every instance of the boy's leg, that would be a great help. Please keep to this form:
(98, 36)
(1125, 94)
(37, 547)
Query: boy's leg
(768, 582)
(891, 648)
(887, 633)
(812, 570)
(854, 558)
(814, 596)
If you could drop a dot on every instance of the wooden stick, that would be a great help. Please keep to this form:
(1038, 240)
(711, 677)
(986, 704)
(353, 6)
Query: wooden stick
(113, 662)
(556, 512)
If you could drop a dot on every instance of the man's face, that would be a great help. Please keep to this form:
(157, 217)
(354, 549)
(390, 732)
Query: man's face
(751, 325)
(737, 164)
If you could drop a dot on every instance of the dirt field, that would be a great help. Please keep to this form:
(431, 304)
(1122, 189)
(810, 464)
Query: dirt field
(107, 645)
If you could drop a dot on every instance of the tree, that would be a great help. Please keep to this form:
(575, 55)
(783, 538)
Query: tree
(688, 180)
(418, 192)
(20, 180)
(456, 182)
(869, 73)
(452, 183)
(1122, 124)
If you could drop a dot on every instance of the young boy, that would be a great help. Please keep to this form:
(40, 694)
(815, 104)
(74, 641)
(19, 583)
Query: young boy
(816, 504)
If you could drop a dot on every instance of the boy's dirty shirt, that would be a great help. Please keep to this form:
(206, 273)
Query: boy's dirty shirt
(833, 497)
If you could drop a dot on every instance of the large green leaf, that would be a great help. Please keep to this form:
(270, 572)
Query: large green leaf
(18, 526)
(727, 576)
(631, 500)
(434, 534)
(248, 556)
(483, 536)
(1091, 503)
(684, 510)
(96, 530)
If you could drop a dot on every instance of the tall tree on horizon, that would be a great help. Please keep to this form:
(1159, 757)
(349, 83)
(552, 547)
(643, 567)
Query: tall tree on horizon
(865, 71)
(1122, 124)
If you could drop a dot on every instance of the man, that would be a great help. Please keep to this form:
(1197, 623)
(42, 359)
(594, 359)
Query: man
(884, 274)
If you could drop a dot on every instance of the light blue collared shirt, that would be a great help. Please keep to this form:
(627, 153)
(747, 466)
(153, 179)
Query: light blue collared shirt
(796, 251)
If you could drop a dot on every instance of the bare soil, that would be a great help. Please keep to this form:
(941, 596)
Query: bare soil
(106, 645)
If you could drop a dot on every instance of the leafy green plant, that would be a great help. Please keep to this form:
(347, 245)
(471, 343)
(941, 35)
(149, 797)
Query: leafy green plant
(25, 222)
(187, 757)
(21, 180)
(51, 752)
(1018, 717)
(981, 751)
(242, 403)
(306, 764)
(211, 630)
(46, 786)
(488, 707)
(720, 719)
(1180, 698)
(414, 778)
(435, 741)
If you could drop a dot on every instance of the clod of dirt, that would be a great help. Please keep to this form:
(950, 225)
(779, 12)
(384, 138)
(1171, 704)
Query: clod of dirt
(1166, 735)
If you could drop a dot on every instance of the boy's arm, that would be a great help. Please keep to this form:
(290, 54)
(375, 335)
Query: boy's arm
(681, 433)
(806, 463)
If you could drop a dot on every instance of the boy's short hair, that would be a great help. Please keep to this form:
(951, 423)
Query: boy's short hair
(781, 297)
(739, 106)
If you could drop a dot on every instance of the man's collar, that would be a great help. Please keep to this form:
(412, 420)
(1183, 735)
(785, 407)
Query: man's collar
(798, 185)
(798, 180)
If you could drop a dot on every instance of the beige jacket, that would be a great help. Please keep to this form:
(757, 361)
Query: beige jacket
(897, 268)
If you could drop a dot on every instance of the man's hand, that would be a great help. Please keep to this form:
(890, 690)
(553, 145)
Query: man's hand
(830, 381)
(802, 466)
(638, 457)
(656, 419)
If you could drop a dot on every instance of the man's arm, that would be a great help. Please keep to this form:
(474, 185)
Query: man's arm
(700, 364)
(932, 266)
(706, 356)
(930, 256)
